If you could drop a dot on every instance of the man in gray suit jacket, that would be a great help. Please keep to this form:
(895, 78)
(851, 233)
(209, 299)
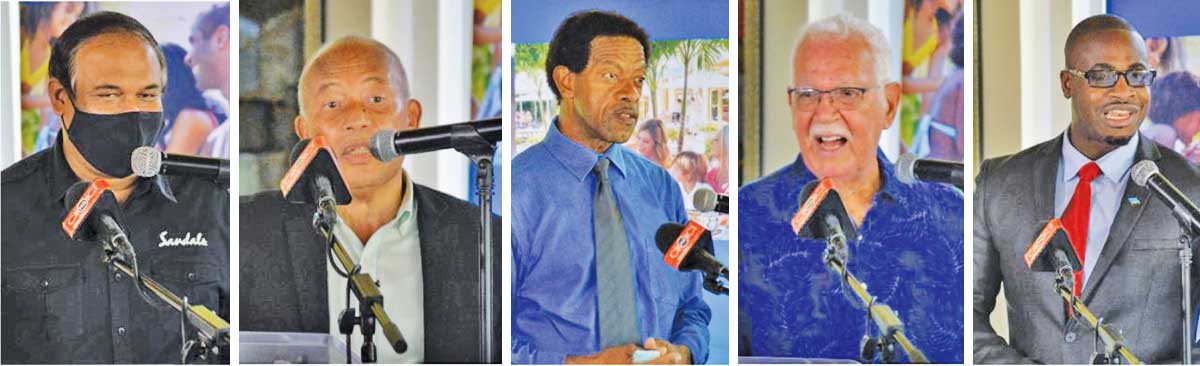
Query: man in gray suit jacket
(420, 245)
(1126, 237)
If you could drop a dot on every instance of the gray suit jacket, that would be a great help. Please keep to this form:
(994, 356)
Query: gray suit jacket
(283, 272)
(1135, 285)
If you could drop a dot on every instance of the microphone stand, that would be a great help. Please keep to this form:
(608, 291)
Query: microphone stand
(887, 322)
(468, 141)
(212, 332)
(1187, 243)
(370, 300)
(1114, 348)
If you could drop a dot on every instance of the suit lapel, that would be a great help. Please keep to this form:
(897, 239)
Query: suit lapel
(309, 268)
(436, 268)
(1045, 172)
(1124, 223)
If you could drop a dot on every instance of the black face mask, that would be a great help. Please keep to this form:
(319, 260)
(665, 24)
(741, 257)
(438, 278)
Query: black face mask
(107, 141)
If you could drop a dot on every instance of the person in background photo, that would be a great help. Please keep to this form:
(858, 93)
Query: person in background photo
(41, 23)
(651, 142)
(186, 114)
(209, 60)
(689, 169)
(718, 157)
(945, 116)
(1175, 114)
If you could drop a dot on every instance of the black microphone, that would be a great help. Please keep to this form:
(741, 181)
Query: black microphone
(689, 248)
(1145, 173)
(1052, 251)
(148, 162)
(909, 169)
(389, 144)
(707, 200)
(93, 214)
(313, 176)
(821, 214)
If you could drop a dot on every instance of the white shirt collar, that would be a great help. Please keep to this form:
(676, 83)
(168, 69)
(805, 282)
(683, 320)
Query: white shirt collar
(1114, 166)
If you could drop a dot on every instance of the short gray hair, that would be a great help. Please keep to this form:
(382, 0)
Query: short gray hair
(393, 59)
(843, 27)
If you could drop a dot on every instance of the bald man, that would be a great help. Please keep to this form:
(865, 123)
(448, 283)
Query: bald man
(419, 244)
(1126, 238)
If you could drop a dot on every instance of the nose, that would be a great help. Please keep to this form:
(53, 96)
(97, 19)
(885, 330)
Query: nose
(825, 108)
(1122, 89)
(629, 92)
(356, 119)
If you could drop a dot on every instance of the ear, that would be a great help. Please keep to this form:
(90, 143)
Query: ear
(59, 100)
(1064, 77)
(299, 124)
(564, 79)
(221, 37)
(413, 112)
(891, 92)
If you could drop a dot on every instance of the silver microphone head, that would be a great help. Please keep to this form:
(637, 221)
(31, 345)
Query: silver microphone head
(382, 147)
(1142, 171)
(146, 161)
(705, 200)
(904, 168)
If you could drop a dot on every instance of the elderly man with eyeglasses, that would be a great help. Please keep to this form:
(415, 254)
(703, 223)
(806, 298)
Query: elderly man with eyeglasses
(1126, 240)
(910, 244)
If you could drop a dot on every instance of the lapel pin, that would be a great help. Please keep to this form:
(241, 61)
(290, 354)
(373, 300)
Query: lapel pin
(1133, 201)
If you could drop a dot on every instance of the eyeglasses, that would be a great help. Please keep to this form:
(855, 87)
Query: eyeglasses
(844, 98)
(1136, 78)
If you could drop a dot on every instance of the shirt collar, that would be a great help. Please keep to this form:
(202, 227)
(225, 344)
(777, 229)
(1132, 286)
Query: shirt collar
(889, 186)
(62, 177)
(579, 159)
(407, 210)
(1114, 165)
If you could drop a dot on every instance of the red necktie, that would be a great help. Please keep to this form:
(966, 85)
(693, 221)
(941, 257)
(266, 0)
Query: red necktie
(1078, 212)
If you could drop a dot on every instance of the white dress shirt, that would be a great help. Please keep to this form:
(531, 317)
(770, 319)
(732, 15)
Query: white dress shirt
(1108, 192)
(392, 257)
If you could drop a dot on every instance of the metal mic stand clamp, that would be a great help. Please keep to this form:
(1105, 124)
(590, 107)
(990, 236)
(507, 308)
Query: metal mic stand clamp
(468, 141)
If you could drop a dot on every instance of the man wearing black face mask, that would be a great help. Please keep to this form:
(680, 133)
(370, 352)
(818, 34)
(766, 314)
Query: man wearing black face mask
(61, 304)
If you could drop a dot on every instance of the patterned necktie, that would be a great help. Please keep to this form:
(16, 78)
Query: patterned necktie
(614, 271)
(1078, 212)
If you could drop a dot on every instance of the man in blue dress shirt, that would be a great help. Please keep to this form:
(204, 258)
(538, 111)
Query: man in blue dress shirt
(589, 285)
(910, 245)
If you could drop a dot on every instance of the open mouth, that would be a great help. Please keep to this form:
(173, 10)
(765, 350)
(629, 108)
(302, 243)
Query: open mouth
(1119, 115)
(831, 142)
(357, 152)
(626, 115)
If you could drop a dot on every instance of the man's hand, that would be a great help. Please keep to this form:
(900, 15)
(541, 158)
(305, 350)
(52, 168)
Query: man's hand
(616, 355)
(668, 354)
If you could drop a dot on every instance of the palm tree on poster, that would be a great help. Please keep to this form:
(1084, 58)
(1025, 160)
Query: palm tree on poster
(695, 54)
(659, 54)
(530, 59)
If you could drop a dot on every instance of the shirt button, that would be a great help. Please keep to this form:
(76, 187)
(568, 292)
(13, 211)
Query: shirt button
(45, 283)
(1070, 337)
(118, 276)
(191, 276)
(121, 330)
